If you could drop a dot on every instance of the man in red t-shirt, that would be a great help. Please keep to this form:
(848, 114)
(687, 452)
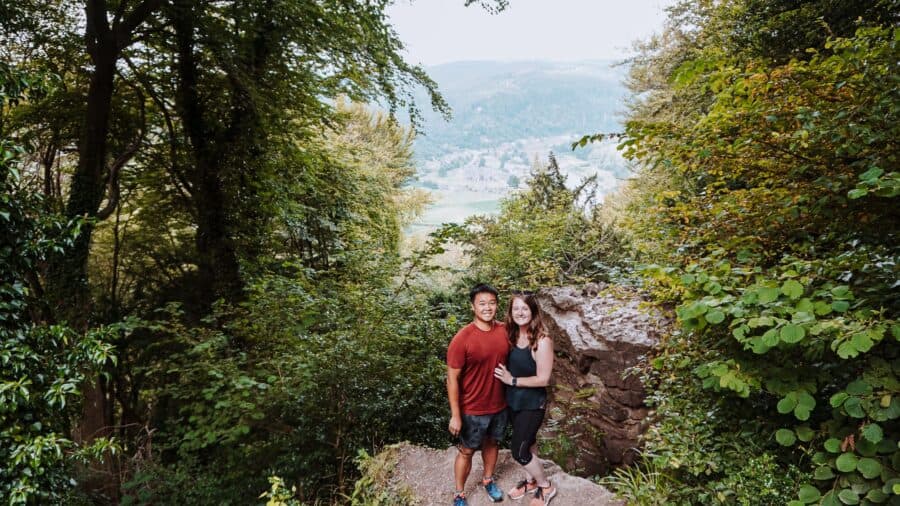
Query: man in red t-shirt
(477, 401)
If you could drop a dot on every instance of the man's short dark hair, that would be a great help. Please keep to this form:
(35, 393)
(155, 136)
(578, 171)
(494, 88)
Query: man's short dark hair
(483, 288)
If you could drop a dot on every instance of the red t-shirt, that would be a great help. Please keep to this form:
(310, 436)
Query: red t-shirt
(477, 353)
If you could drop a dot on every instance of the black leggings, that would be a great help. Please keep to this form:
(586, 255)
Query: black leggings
(525, 425)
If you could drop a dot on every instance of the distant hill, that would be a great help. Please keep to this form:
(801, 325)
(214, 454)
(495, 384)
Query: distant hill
(505, 116)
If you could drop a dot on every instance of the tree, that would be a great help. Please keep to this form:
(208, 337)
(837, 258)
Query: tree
(544, 235)
(43, 364)
(765, 198)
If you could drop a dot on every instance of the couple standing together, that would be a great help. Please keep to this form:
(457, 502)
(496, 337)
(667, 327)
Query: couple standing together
(497, 373)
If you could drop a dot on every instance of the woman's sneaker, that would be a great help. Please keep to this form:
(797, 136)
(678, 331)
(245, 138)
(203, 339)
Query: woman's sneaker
(460, 499)
(522, 488)
(543, 495)
(493, 491)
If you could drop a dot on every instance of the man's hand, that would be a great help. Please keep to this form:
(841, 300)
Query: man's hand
(455, 425)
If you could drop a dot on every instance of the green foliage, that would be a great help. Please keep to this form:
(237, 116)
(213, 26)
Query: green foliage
(43, 365)
(374, 487)
(767, 202)
(278, 494)
(302, 376)
(546, 234)
(643, 484)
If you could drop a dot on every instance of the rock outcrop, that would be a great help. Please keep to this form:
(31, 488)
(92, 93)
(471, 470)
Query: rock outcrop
(601, 333)
(423, 476)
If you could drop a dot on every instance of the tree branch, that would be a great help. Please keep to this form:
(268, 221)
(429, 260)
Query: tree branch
(112, 199)
(138, 15)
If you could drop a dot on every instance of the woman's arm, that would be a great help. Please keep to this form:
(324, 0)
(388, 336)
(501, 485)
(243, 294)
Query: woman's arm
(544, 359)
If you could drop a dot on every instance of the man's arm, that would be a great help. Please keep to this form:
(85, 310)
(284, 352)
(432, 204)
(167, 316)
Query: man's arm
(453, 395)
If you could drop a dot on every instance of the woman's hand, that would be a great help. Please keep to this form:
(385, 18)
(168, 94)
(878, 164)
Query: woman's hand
(502, 374)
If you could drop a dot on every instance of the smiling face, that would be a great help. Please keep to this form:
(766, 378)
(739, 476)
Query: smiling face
(521, 313)
(485, 307)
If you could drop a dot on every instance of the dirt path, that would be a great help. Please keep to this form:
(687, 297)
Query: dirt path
(430, 472)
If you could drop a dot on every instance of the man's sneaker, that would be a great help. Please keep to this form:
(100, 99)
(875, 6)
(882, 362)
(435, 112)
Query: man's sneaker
(543, 495)
(460, 500)
(522, 488)
(493, 491)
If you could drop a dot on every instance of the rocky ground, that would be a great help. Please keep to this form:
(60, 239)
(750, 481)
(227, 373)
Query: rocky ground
(429, 473)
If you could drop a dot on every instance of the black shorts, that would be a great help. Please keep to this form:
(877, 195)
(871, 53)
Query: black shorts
(475, 428)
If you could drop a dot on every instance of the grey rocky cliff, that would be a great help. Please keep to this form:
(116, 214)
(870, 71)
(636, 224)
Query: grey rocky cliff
(601, 333)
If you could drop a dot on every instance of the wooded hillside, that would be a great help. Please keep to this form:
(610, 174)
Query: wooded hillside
(204, 294)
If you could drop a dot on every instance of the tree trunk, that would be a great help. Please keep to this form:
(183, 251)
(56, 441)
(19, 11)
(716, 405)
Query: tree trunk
(67, 283)
(217, 261)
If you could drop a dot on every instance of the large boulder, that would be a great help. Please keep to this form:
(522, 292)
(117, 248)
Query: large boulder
(412, 475)
(602, 334)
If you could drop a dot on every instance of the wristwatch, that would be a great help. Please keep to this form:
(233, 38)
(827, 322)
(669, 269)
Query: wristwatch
(515, 379)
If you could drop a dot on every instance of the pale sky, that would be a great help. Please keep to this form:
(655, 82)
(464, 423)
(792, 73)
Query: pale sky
(441, 31)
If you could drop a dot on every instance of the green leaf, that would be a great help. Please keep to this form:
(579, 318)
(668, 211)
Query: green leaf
(770, 337)
(873, 432)
(805, 306)
(838, 399)
(791, 333)
(857, 193)
(846, 462)
(785, 437)
(840, 305)
(762, 321)
(833, 445)
(862, 342)
(869, 468)
(809, 494)
(758, 346)
(848, 496)
(830, 499)
(872, 174)
(859, 387)
(792, 289)
(787, 404)
(802, 317)
(804, 433)
(822, 308)
(712, 287)
(865, 448)
(715, 317)
(767, 295)
(841, 292)
(805, 400)
(847, 350)
(876, 496)
(853, 407)
(823, 473)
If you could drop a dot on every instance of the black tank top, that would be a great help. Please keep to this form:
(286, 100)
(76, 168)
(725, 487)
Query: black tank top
(521, 364)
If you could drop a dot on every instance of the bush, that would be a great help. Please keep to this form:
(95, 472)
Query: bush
(294, 382)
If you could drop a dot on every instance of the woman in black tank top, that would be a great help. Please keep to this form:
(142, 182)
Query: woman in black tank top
(527, 375)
